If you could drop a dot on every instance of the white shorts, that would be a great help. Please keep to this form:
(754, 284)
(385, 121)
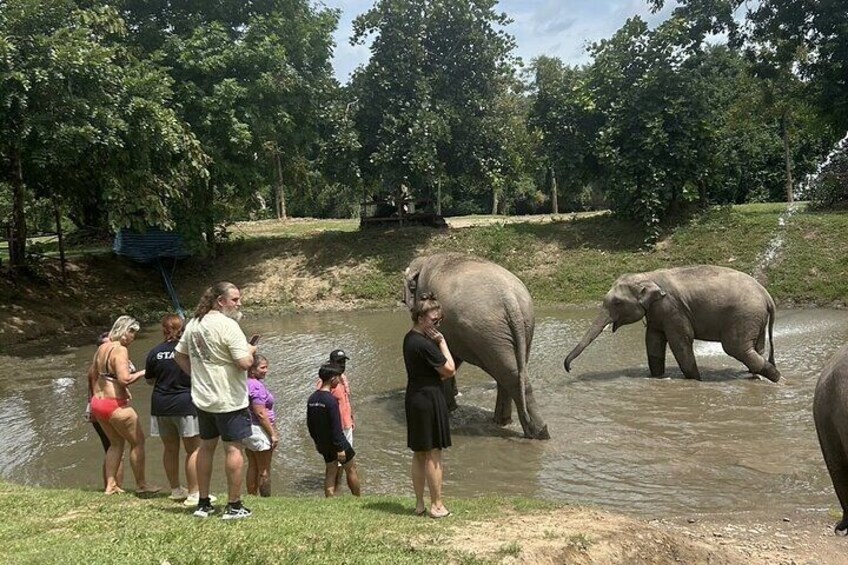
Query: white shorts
(179, 426)
(258, 440)
(348, 433)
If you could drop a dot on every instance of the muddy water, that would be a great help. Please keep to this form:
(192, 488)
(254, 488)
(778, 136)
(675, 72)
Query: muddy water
(620, 439)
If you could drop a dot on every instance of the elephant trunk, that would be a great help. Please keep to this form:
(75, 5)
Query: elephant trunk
(602, 321)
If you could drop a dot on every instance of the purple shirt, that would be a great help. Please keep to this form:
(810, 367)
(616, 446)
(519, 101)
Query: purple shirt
(259, 394)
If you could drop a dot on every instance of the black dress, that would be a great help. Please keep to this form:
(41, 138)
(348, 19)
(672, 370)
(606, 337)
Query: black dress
(427, 416)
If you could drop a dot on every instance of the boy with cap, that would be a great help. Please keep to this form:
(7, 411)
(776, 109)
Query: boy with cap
(342, 394)
(324, 423)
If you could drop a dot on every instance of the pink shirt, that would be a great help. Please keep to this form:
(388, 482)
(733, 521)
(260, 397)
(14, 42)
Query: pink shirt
(342, 394)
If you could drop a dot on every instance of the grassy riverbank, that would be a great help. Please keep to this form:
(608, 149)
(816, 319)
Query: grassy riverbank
(70, 526)
(330, 264)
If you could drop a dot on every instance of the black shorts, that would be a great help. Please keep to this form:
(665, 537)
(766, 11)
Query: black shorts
(331, 455)
(231, 426)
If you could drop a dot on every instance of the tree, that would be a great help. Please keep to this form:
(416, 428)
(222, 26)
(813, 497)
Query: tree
(429, 98)
(86, 122)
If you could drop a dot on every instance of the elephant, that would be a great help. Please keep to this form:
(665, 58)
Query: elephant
(488, 321)
(830, 412)
(683, 304)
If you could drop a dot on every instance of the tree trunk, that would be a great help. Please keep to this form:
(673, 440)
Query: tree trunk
(494, 201)
(554, 201)
(18, 233)
(209, 206)
(787, 156)
(279, 194)
(58, 216)
(439, 197)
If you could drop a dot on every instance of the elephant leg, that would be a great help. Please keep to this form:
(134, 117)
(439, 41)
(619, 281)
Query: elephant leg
(528, 413)
(503, 407)
(755, 363)
(761, 342)
(681, 348)
(836, 459)
(655, 344)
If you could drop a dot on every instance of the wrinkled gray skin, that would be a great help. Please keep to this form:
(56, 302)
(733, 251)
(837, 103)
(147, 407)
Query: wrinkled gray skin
(830, 412)
(488, 321)
(684, 304)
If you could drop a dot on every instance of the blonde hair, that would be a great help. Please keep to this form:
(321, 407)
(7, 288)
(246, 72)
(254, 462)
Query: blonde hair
(424, 304)
(207, 301)
(122, 326)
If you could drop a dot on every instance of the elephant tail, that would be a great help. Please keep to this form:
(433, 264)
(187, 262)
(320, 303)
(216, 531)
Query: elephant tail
(517, 327)
(771, 311)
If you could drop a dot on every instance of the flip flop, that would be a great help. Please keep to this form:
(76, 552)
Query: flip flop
(420, 512)
(440, 516)
(148, 490)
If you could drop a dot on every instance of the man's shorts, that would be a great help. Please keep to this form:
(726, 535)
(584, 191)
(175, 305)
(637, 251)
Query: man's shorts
(332, 455)
(230, 426)
(258, 440)
(174, 426)
(348, 434)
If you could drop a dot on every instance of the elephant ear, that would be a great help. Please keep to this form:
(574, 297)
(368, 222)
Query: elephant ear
(410, 286)
(650, 292)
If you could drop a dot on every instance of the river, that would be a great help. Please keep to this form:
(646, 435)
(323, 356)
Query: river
(620, 439)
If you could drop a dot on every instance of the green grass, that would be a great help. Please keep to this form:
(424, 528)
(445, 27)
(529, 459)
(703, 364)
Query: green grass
(71, 526)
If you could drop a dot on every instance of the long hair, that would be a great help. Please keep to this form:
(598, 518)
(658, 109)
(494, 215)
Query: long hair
(122, 326)
(207, 301)
(424, 304)
(172, 327)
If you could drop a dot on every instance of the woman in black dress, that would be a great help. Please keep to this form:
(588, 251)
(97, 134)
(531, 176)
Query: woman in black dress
(428, 361)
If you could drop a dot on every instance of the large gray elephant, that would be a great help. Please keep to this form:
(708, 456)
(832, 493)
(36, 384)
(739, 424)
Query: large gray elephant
(488, 321)
(830, 412)
(684, 304)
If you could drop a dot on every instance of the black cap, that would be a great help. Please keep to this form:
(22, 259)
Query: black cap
(328, 371)
(338, 356)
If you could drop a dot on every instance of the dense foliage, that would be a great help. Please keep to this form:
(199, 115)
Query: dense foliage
(192, 115)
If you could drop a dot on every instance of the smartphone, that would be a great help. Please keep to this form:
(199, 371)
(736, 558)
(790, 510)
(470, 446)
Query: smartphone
(254, 339)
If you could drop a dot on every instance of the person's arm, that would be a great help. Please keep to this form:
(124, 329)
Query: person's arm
(447, 370)
(246, 362)
(184, 362)
(265, 422)
(339, 440)
(121, 366)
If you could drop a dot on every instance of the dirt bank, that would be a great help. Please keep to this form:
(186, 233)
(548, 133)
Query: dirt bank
(587, 536)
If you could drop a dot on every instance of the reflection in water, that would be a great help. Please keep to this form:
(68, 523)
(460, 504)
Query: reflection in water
(620, 438)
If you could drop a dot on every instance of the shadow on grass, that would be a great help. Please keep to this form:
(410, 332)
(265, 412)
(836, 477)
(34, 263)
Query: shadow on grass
(388, 508)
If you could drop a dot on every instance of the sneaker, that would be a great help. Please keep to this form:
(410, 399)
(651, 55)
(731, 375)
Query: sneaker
(178, 494)
(232, 513)
(204, 511)
(194, 497)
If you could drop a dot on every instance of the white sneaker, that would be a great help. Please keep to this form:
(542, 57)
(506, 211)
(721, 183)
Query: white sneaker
(193, 498)
(178, 494)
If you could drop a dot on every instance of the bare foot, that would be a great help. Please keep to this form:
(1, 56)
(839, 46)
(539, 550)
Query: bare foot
(420, 510)
(441, 512)
(147, 489)
(114, 490)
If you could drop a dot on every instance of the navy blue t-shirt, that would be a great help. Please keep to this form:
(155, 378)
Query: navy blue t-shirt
(325, 423)
(171, 387)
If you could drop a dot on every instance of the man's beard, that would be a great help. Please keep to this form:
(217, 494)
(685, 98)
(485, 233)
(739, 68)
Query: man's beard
(232, 313)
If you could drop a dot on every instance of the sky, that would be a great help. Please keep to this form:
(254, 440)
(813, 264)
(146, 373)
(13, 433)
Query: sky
(557, 28)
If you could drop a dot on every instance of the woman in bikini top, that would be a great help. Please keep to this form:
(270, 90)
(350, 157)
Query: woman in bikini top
(114, 378)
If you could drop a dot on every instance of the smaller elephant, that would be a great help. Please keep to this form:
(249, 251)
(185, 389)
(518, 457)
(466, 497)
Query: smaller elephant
(683, 304)
(830, 412)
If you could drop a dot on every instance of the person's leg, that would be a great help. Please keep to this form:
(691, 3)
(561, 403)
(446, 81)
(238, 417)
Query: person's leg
(171, 459)
(252, 472)
(331, 470)
(433, 474)
(234, 466)
(352, 477)
(418, 460)
(191, 446)
(263, 468)
(125, 422)
(113, 457)
(205, 454)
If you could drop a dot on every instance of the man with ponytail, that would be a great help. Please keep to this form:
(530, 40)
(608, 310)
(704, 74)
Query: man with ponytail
(214, 351)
